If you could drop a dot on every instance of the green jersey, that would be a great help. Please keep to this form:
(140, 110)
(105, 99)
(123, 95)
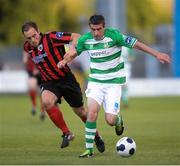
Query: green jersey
(106, 63)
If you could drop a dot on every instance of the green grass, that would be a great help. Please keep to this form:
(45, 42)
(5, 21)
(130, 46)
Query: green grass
(154, 123)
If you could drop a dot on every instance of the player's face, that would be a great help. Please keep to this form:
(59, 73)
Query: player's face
(32, 36)
(97, 31)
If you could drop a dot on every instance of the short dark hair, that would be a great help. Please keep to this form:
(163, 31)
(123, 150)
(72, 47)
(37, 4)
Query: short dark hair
(29, 24)
(97, 19)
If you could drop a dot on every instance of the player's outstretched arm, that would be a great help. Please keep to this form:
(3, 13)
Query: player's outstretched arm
(162, 57)
(71, 53)
(68, 57)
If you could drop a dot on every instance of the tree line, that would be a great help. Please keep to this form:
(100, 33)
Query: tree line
(65, 15)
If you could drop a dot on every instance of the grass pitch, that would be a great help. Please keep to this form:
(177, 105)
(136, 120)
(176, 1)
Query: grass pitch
(154, 123)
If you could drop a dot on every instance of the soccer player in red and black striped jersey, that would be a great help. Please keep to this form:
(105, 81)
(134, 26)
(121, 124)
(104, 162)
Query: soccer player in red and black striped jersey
(46, 51)
(34, 81)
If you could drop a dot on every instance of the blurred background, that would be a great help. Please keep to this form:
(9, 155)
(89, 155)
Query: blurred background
(149, 100)
(154, 22)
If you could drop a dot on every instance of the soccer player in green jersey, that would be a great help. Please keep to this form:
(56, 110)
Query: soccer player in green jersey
(107, 74)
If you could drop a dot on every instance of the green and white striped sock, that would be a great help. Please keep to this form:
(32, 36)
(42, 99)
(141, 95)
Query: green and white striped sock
(90, 134)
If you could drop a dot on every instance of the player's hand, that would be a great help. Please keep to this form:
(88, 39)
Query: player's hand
(62, 64)
(68, 57)
(163, 58)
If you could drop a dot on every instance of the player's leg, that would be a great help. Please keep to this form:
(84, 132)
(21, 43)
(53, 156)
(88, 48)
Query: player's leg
(73, 96)
(124, 97)
(125, 88)
(90, 126)
(32, 91)
(112, 107)
(42, 110)
(80, 111)
(94, 95)
(49, 99)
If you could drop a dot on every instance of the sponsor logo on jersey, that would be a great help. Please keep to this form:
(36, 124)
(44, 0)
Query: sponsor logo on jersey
(59, 34)
(91, 46)
(99, 53)
(106, 45)
(39, 58)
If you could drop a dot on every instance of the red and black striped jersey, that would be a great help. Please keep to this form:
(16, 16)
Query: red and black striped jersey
(30, 66)
(48, 53)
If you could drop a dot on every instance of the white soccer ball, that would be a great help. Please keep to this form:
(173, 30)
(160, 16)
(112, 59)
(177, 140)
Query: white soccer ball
(126, 147)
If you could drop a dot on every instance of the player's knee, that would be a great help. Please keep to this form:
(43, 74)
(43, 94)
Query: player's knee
(110, 120)
(92, 116)
(80, 112)
(47, 104)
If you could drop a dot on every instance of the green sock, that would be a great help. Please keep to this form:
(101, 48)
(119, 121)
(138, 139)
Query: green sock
(90, 134)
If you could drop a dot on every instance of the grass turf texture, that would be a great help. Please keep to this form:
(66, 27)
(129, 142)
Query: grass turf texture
(154, 124)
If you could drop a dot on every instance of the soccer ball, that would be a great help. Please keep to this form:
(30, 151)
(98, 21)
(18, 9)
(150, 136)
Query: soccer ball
(126, 147)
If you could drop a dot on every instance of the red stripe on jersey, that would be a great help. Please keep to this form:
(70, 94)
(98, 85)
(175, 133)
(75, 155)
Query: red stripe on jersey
(49, 52)
(49, 71)
(64, 38)
(44, 76)
(50, 56)
(44, 68)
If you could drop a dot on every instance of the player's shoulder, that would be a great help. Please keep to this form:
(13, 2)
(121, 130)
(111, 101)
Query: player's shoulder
(112, 31)
(27, 46)
(49, 33)
(57, 34)
(85, 37)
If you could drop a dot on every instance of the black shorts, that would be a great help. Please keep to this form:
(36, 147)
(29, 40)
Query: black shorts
(67, 87)
(36, 76)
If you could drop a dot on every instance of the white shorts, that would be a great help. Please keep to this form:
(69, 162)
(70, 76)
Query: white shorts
(108, 95)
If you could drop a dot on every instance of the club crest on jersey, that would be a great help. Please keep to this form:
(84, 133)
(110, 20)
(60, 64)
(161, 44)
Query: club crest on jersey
(91, 46)
(40, 47)
(106, 45)
(128, 40)
(59, 34)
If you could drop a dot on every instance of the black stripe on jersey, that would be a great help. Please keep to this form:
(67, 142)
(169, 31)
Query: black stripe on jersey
(60, 41)
(61, 50)
(52, 54)
(43, 76)
(44, 73)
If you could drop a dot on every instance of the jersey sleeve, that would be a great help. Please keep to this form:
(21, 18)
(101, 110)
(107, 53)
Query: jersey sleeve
(128, 41)
(124, 40)
(60, 38)
(26, 47)
(80, 45)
